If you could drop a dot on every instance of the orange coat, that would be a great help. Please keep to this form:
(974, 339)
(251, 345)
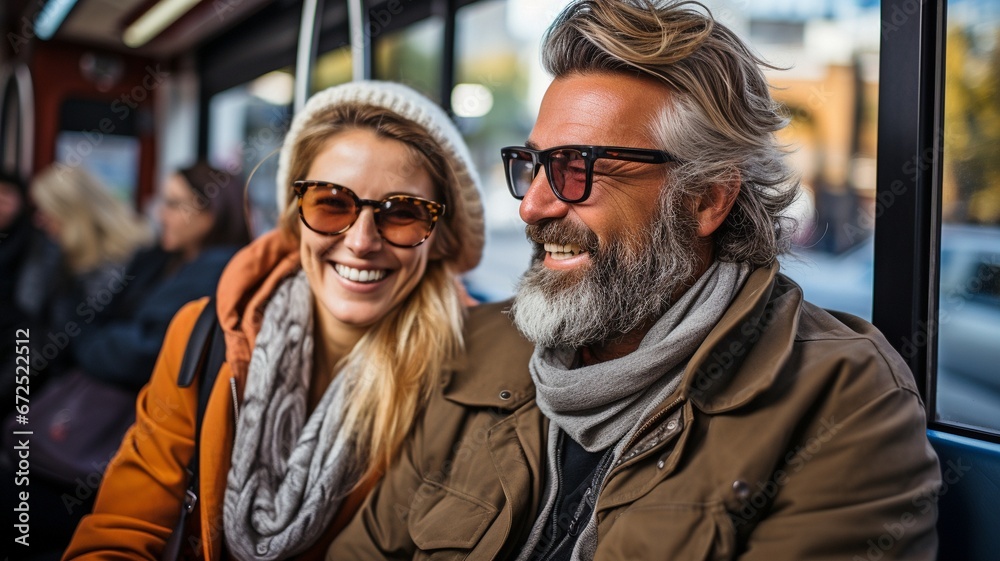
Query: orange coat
(140, 499)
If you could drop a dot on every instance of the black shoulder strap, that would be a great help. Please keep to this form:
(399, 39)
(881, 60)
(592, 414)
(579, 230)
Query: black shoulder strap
(198, 345)
(203, 357)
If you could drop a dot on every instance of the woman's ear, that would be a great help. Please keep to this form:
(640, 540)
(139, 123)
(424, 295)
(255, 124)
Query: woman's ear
(713, 207)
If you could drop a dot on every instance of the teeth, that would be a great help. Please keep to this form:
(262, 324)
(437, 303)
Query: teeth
(560, 251)
(359, 275)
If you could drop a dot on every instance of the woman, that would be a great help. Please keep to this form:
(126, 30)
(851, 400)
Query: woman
(202, 225)
(92, 236)
(336, 327)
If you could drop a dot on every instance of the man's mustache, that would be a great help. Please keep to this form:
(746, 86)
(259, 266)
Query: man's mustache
(562, 232)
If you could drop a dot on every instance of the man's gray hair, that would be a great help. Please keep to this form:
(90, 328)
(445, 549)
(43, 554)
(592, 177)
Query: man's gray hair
(720, 122)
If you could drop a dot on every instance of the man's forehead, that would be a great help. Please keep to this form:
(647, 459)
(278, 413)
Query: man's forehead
(598, 108)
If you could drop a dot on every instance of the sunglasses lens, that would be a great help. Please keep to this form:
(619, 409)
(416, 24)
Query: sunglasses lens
(520, 171)
(568, 174)
(328, 209)
(405, 221)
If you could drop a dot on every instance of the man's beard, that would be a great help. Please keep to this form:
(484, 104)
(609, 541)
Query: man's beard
(631, 280)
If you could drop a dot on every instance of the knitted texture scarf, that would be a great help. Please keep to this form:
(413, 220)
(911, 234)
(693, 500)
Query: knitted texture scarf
(289, 474)
(603, 404)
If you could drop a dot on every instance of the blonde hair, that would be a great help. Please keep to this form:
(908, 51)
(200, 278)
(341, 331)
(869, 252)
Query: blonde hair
(399, 359)
(96, 228)
(720, 122)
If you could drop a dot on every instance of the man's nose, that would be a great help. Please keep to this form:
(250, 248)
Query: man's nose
(540, 203)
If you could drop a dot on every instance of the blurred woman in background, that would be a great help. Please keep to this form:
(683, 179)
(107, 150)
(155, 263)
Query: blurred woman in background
(91, 236)
(202, 225)
(120, 313)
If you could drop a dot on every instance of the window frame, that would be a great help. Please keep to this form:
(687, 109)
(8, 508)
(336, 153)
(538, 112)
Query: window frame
(908, 191)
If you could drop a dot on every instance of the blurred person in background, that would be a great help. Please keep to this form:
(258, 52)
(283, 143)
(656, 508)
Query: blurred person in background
(90, 236)
(65, 274)
(122, 312)
(16, 236)
(201, 226)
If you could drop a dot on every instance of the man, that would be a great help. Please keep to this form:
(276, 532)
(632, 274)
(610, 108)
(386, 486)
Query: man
(681, 400)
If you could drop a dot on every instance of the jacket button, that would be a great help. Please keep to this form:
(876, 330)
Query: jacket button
(662, 461)
(741, 489)
(671, 424)
(262, 549)
(505, 395)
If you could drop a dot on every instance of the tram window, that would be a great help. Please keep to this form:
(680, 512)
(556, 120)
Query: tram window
(112, 158)
(499, 84)
(413, 56)
(828, 83)
(101, 137)
(246, 126)
(968, 380)
(332, 68)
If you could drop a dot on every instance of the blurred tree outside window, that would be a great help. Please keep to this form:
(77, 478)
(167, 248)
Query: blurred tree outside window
(968, 322)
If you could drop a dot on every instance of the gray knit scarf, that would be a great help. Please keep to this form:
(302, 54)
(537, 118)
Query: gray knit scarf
(286, 481)
(603, 404)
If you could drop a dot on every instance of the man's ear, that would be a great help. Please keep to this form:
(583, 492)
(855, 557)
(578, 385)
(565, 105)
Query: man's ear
(714, 206)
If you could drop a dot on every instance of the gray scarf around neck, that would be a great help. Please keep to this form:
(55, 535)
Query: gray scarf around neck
(289, 474)
(597, 404)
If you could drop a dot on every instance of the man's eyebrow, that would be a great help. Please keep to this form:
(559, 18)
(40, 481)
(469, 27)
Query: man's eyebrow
(530, 144)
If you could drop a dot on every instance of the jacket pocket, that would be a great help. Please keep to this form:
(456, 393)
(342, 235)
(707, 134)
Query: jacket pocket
(445, 523)
(692, 532)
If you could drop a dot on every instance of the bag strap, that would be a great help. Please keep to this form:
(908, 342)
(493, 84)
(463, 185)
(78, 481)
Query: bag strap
(203, 357)
(199, 343)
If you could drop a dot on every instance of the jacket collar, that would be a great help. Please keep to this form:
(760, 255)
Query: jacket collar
(742, 355)
(247, 284)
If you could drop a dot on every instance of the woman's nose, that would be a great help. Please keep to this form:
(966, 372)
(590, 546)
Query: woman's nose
(363, 236)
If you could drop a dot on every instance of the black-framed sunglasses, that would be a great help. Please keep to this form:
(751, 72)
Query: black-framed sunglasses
(330, 209)
(570, 169)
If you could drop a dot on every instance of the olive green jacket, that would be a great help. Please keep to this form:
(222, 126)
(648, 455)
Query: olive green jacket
(795, 434)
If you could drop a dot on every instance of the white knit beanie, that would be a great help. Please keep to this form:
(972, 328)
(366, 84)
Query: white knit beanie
(464, 212)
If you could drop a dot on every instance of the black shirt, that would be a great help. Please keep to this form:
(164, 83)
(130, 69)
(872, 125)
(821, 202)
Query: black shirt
(579, 474)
